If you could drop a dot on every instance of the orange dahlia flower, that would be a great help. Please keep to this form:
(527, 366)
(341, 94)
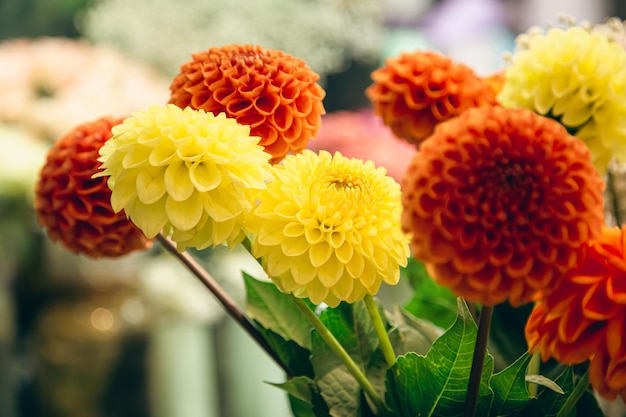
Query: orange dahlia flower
(499, 203)
(274, 93)
(415, 91)
(76, 208)
(584, 317)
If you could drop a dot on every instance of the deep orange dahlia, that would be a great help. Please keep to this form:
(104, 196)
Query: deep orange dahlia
(415, 91)
(584, 317)
(499, 203)
(274, 93)
(75, 208)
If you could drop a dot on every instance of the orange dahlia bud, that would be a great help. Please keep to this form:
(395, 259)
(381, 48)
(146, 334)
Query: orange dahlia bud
(76, 208)
(415, 91)
(500, 202)
(274, 93)
(584, 316)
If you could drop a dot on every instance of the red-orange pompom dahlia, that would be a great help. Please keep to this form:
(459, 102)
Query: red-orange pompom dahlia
(274, 93)
(584, 317)
(74, 207)
(415, 91)
(499, 203)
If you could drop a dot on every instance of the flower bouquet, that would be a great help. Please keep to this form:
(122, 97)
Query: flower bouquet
(500, 210)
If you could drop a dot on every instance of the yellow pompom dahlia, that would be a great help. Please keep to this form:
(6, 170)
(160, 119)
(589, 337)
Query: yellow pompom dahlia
(328, 228)
(578, 78)
(185, 172)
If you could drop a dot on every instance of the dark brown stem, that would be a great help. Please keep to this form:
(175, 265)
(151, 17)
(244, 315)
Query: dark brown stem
(229, 305)
(480, 349)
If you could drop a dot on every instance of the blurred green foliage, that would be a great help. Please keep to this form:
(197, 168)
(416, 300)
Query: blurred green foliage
(33, 18)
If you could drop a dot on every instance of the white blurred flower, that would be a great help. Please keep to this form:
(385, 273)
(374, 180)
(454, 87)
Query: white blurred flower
(54, 84)
(21, 156)
(325, 33)
(168, 286)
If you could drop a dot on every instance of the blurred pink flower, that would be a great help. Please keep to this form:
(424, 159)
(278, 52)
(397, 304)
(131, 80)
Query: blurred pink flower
(359, 134)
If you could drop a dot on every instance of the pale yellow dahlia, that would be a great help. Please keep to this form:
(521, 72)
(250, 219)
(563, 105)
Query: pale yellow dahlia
(328, 228)
(185, 172)
(577, 77)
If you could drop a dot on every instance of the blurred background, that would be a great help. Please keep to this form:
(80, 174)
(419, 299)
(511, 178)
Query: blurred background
(139, 336)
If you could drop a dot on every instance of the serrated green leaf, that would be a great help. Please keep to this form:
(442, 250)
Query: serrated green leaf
(351, 325)
(275, 311)
(509, 388)
(436, 385)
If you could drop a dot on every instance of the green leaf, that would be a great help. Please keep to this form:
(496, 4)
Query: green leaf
(430, 300)
(509, 388)
(411, 334)
(549, 401)
(275, 311)
(298, 387)
(353, 329)
(544, 381)
(436, 385)
(304, 397)
(296, 358)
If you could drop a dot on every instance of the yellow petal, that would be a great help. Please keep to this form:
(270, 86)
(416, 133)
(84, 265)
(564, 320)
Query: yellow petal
(177, 182)
(150, 187)
(184, 215)
(151, 219)
(204, 175)
(319, 253)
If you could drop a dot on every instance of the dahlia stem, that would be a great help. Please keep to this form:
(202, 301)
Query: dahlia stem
(572, 400)
(534, 368)
(334, 344)
(480, 349)
(229, 305)
(381, 332)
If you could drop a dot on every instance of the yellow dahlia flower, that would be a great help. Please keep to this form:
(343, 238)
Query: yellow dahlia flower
(577, 77)
(184, 172)
(328, 228)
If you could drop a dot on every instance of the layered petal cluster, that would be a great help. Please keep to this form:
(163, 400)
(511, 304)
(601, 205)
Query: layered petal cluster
(76, 209)
(585, 316)
(185, 172)
(499, 203)
(328, 228)
(415, 91)
(274, 93)
(578, 78)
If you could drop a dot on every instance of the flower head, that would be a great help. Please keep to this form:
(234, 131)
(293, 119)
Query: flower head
(577, 77)
(74, 207)
(274, 93)
(583, 317)
(184, 171)
(415, 91)
(328, 228)
(499, 203)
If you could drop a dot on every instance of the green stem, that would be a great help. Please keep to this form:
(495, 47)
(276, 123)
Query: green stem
(334, 344)
(480, 349)
(534, 369)
(572, 400)
(381, 332)
(224, 299)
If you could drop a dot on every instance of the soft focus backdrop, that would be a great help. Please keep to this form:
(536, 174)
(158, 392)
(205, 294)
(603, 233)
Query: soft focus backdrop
(139, 336)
